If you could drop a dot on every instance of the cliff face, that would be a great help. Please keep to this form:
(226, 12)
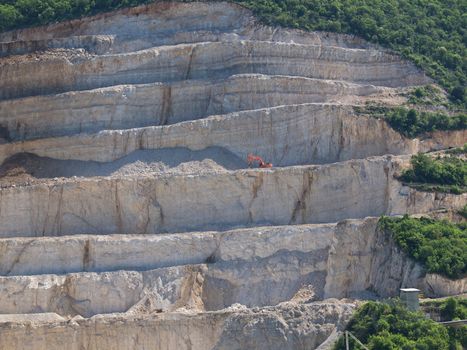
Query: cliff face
(214, 200)
(124, 106)
(286, 135)
(75, 70)
(280, 327)
(207, 271)
(129, 219)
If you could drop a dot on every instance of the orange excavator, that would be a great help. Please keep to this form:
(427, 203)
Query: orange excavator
(261, 163)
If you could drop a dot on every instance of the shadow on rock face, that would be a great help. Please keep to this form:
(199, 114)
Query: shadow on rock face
(141, 162)
(4, 134)
(263, 282)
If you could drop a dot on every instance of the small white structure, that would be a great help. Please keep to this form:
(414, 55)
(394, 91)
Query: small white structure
(409, 297)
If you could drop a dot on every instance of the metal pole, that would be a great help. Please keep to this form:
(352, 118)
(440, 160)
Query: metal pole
(347, 340)
(358, 341)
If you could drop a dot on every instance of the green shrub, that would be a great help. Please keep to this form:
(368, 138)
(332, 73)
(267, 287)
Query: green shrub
(427, 95)
(463, 211)
(411, 123)
(451, 309)
(9, 16)
(382, 326)
(447, 174)
(439, 245)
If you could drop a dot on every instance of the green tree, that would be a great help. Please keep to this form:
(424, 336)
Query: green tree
(9, 16)
(439, 245)
(398, 329)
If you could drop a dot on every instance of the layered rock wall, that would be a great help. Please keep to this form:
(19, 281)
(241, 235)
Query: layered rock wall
(353, 189)
(281, 327)
(131, 106)
(253, 267)
(287, 135)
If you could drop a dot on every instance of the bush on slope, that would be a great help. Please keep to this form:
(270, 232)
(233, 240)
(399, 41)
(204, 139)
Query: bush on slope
(390, 326)
(412, 123)
(439, 245)
(443, 174)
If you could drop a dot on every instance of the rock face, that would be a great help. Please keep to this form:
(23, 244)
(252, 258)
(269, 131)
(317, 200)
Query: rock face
(252, 267)
(213, 200)
(125, 106)
(280, 327)
(128, 217)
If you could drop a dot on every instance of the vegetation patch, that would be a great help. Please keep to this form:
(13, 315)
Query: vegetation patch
(439, 245)
(449, 309)
(390, 326)
(443, 174)
(428, 95)
(412, 123)
(463, 212)
(431, 33)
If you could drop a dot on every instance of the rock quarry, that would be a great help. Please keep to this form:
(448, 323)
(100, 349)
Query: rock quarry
(130, 218)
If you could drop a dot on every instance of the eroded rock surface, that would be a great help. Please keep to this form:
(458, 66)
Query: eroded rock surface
(214, 200)
(208, 271)
(281, 327)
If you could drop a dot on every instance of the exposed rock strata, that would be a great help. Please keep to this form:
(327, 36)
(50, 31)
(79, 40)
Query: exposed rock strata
(175, 23)
(216, 41)
(131, 106)
(294, 195)
(209, 271)
(67, 70)
(282, 327)
(286, 135)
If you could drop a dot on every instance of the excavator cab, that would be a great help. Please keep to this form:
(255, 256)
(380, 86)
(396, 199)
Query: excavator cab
(251, 159)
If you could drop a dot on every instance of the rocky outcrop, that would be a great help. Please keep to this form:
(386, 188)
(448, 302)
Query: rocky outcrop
(131, 106)
(436, 285)
(208, 271)
(281, 327)
(146, 204)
